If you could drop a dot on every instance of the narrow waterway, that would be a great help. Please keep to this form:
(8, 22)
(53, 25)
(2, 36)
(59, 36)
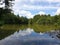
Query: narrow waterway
(30, 37)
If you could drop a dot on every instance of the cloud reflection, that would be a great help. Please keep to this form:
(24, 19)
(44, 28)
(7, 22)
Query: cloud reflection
(29, 37)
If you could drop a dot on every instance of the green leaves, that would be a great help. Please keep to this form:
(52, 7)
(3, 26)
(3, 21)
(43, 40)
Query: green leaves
(47, 19)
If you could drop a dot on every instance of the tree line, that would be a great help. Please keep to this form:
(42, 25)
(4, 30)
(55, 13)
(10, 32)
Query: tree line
(46, 19)
(8, 17)
(11, 18)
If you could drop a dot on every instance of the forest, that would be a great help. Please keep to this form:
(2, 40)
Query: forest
(8, 17)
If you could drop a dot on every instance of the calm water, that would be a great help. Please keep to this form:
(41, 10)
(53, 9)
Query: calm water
(27, 36)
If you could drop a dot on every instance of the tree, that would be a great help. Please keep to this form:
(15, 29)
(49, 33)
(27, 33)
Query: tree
(36, 17)
(8, 5)
(5, 10)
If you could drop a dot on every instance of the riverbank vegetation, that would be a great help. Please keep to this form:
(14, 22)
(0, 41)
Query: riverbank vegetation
(37, 19)
(8, 17)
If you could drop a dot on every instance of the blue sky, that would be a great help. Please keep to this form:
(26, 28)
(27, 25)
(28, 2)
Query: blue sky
(29, 8)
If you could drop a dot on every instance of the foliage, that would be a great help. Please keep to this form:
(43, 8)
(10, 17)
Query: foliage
(47, 19)
(7, 17)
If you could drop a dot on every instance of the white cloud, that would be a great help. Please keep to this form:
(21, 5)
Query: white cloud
(25, 14)
(2, 6)
(58, 11)
(39, 0)
(54, 0)
(41, 13)
(34, 7)
(51, 0)
(23, 5)
(16, 11)
(18, 1)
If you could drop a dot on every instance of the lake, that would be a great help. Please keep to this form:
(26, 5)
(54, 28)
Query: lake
(29, 35)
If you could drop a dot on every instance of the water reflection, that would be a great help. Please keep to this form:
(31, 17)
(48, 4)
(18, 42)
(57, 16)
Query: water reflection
(29, 37)
(4, 33)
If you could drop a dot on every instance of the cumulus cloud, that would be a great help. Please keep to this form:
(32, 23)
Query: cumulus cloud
(25, 14)
(58, 11)
(41, 0)
(34, 7)
(1, 2)
(2, 6)
(53, 0)
(41, 13)
(26, 6)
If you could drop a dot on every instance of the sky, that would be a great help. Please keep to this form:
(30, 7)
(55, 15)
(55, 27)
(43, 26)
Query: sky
(29, 8)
